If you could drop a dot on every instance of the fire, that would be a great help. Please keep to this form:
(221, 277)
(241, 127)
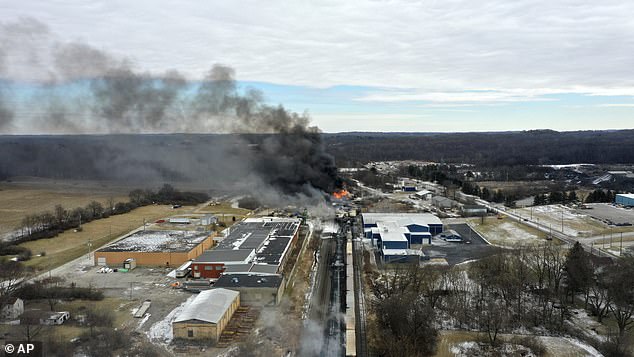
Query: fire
(341, 194)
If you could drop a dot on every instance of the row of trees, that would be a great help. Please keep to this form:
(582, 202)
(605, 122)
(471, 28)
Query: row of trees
(555, 197)
(50, 223)
(508, 197)
(522, 289)
(601, 196)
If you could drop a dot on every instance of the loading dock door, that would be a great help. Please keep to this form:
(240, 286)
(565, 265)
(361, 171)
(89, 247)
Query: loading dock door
(101, 261)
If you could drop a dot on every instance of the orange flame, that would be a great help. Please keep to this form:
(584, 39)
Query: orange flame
(340, 194)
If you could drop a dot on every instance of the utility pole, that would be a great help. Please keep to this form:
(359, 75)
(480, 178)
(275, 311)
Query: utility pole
(621, 249)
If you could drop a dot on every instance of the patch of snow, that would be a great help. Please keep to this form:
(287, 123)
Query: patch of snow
(581, 320)
(143, 321)
(589, 349)
(162, 330)
(461, 348)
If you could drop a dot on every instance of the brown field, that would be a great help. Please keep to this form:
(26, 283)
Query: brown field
(71, 245)
(224, 212)
(507, 232)
(28, 196)
(510, 185)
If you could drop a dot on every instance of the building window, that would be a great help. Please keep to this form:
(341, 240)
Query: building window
(190, 333)
(208, 267)
(218, 267)
(195, 267)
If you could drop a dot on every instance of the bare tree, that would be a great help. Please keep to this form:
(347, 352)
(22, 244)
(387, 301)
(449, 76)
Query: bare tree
(30, 325)
(11, 276)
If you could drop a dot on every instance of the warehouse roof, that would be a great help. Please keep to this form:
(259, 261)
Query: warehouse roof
(226, 256)
(157, 241)
(209, 306)
(628, 195)
(248, 281)
(264, 268)
(269, 237)
(416, 218)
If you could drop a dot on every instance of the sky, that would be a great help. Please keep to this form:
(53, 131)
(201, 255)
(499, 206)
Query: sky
(400, 65)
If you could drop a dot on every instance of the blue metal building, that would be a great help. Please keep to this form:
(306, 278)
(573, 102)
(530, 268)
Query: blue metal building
(625, 199)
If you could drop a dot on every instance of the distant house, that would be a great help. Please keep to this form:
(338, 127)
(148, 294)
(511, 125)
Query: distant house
(208, 219)
(12, 309)
(408, 186)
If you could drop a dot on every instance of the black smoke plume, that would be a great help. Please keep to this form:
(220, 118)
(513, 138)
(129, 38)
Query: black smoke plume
(265, 150)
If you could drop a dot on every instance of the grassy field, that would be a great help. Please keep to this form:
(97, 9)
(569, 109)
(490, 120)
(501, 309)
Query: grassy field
(70, 245)
(18, 199)
(507, 232)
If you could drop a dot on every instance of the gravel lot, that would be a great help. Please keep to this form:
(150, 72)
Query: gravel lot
(132, 288)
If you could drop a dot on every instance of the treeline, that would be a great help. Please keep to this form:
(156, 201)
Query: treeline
(508, 197)
(51, 223)
(596, 196)
(555, 197)
(601, 196)
(42, 289)
(523, 289)
(166, 195)
(535, 147)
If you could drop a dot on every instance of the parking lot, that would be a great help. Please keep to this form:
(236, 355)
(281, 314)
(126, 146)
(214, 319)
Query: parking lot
(609, 214)
(456, 253)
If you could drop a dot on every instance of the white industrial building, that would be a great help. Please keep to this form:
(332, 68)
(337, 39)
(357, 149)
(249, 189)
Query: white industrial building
(393, 234)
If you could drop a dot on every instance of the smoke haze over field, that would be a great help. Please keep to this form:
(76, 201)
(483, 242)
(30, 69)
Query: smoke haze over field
(82, 90)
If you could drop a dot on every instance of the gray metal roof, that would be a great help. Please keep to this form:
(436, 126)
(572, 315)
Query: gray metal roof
(264, 268)
(223, 256)
(270, 237)
(209, 306)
